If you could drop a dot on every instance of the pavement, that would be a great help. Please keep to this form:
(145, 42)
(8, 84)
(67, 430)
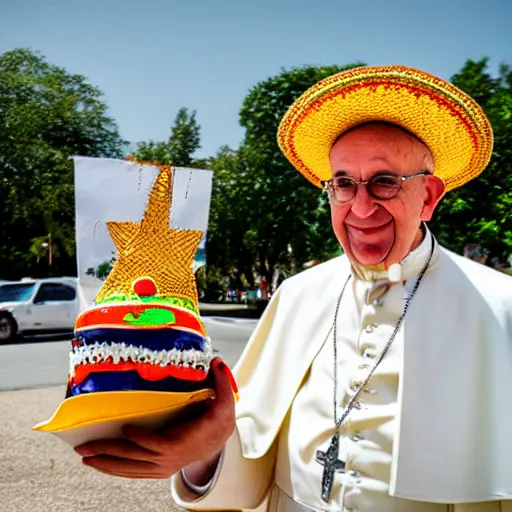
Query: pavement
(233, 310)
(40, 473)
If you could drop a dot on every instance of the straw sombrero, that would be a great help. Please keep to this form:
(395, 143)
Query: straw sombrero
(140, 354)
(448, 121)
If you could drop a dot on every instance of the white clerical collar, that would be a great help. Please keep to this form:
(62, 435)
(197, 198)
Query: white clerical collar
(410, 266)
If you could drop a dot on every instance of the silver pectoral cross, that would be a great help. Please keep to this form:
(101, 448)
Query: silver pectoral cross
(329, 460)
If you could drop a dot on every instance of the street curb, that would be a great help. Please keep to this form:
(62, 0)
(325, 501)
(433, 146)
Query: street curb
(231, 311)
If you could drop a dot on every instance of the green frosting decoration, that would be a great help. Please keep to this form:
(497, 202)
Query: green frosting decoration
(154, 316)
(171, 301)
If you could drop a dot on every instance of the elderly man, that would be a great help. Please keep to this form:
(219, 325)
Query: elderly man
(377, 381)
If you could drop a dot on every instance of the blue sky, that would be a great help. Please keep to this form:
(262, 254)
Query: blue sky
(152, 57)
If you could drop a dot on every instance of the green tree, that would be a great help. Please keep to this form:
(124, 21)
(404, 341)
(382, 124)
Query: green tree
(101, 271)
(211, 284)
(230, 238)
(481, 211)
(179, 150)
(287, 219)
(47, 115)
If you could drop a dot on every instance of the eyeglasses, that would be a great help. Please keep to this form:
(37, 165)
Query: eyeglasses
(381, 186)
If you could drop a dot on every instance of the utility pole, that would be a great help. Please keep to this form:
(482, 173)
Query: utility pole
(50, 250)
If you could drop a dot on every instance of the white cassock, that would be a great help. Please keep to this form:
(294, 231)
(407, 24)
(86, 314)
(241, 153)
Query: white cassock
(431, 433)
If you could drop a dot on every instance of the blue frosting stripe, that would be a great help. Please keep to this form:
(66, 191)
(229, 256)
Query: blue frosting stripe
(131, 380)
(154, 339)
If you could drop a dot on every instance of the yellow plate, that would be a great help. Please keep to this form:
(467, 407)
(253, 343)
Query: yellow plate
(83, 418)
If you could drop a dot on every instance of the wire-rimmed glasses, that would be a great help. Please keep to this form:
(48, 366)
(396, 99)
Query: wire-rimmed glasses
(382, 187)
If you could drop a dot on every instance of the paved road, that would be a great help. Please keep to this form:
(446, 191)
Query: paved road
(39, 473)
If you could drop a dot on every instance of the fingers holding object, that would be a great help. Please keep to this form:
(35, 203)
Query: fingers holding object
(147, 439)
(117, 448)
(126, 468)
(225, 386)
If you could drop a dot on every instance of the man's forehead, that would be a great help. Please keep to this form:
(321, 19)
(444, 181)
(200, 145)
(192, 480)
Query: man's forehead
(377, 165)
(376, 151)
(376, 142)
(377, 161)
(377, 130)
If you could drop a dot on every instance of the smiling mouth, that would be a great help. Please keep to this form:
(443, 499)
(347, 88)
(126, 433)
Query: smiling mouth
(370, 230)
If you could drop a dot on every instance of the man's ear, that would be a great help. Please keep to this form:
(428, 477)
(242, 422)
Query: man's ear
(434, 191)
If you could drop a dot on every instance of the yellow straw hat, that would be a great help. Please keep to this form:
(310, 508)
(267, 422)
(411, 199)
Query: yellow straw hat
(451, 124)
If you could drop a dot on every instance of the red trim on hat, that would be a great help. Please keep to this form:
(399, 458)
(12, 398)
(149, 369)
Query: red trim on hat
(373, 85)
(147, 371)
(112, 316)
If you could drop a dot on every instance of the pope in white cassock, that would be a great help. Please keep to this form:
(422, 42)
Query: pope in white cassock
(377, 381)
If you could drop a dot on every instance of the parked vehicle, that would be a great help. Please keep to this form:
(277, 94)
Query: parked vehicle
(37, 305)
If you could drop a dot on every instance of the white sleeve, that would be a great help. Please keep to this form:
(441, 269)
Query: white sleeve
(202, 489)
(238, 483)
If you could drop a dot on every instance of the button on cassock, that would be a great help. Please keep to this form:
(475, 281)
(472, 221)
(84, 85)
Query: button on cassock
(368, 352)
(356, 437)
(354, 386)
(370, 328)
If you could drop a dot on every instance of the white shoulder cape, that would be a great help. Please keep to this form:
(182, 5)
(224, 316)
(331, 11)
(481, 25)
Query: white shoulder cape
(454, 441)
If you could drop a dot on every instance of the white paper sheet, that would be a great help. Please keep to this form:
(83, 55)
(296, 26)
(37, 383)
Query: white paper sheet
(117, 190)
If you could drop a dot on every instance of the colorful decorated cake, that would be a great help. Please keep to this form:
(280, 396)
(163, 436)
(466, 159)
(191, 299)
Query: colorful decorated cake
(141, 349)
(139, 341)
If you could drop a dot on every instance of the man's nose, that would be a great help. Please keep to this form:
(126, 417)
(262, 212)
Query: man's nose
(363, 205)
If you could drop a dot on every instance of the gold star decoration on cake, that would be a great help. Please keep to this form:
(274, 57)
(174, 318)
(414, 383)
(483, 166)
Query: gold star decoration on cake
(152, 249)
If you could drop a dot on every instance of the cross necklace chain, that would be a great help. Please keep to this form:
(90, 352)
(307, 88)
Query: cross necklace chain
(329, 459)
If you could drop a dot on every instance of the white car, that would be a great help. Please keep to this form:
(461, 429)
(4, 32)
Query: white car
(37, 305)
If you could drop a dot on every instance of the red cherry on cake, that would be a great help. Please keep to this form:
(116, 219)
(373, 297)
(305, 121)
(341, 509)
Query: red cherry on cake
(144, 287)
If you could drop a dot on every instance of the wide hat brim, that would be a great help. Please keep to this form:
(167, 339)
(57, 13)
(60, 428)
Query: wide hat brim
(450, 123)
(102, 415)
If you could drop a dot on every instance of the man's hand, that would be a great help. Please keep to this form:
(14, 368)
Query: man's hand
(145, 454)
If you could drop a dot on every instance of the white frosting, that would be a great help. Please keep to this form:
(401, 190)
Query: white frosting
(122, 352)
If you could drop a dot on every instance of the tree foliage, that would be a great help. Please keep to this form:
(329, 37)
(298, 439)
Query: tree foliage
(481, 211)
(265, 218)
(179, 150)
(265, 215)
(230, 237)
(46, 116)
